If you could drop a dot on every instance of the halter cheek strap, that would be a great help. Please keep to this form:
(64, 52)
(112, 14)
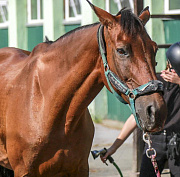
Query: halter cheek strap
(113, 79)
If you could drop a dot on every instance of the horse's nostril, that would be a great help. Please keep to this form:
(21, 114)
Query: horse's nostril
(151, 113)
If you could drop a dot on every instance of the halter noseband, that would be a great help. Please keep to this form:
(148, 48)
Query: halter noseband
(113, 79)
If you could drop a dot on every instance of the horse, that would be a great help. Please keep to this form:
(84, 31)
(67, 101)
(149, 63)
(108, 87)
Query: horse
(49, 132)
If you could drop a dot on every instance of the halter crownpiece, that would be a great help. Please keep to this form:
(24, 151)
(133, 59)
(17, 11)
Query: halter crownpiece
(113, 79)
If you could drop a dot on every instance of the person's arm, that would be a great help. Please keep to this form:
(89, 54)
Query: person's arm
(170, 76)
(127, 129)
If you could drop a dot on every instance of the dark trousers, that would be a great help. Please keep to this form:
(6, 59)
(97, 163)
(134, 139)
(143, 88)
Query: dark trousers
(159, 143)
(4, 172)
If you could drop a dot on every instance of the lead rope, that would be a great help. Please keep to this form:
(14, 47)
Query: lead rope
(151, 153)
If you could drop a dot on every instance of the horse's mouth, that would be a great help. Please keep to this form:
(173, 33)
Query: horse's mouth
(148, 126)
(152, 129)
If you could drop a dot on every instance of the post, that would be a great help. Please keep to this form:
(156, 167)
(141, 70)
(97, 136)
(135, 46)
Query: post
(138, 146)
(17, 31)
(137, 135)
(138, 6)
(53, 19)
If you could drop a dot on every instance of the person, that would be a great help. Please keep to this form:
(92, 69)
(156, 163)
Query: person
(166, 142)
(4, 172)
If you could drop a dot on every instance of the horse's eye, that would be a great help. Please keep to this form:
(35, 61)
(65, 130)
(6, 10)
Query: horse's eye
(121, 51)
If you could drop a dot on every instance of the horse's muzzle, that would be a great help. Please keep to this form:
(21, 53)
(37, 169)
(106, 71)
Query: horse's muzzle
(151, 114)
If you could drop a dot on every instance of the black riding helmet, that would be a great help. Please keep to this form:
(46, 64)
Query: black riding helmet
(173, 55)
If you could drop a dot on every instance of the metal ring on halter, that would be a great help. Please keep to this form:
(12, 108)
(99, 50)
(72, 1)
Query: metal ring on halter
(131, 95)
(106, 67)
(151, 150)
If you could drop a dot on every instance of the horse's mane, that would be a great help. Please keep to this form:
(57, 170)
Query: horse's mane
(129, 22)
(73, 31)
(47, 40)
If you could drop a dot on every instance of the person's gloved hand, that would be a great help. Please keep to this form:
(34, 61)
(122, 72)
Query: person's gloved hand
(109, 152)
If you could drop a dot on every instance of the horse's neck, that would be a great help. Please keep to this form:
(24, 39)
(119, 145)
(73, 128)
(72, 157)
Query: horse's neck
(74, 75)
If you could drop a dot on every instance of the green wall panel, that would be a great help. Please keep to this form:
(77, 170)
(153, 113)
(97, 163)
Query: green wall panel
(113, 8)
(174, 4)
(35, 36)
(172, 33)
(71, 27)
(116, 109)
(100, 4)
(3, 38)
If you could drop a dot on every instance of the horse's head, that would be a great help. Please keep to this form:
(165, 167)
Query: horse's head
(129, 62)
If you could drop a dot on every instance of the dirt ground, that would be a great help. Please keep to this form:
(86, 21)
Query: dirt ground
(105, 134)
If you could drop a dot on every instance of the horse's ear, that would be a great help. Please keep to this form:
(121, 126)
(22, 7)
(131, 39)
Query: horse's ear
(105, 18)
(145, 15)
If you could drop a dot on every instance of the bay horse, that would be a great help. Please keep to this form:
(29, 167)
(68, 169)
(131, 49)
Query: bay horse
(49, 132)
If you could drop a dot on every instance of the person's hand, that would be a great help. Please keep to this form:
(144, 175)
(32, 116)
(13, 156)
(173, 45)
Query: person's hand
(109, 152)
(170, 76)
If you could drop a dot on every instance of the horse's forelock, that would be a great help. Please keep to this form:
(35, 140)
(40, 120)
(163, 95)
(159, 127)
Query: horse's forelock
(129, 22)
